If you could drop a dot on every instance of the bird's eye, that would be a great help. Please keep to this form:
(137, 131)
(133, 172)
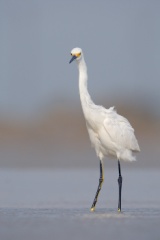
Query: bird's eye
(71, 54)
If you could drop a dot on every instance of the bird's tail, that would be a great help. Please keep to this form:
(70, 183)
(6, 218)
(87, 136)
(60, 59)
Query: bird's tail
(127, 156)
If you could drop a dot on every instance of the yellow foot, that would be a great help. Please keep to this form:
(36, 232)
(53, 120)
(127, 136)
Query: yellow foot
(92, 209)
(119, 210)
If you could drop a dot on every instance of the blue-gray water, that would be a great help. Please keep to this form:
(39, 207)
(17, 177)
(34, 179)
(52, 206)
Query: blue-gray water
(46, 204)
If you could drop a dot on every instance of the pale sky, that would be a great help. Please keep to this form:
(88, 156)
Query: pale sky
(120, 40)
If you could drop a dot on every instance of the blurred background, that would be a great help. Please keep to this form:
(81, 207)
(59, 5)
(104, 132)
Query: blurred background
(41, 121)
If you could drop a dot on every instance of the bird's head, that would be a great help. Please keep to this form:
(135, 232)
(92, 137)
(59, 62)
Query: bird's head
(76, 53)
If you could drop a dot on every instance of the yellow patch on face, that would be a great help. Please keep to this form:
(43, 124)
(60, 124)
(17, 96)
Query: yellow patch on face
(78, 54)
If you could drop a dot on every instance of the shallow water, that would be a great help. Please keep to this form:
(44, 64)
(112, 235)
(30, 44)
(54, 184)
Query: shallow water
(55, 205)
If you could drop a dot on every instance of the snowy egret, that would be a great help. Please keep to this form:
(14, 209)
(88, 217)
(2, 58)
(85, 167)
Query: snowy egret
(110, 133)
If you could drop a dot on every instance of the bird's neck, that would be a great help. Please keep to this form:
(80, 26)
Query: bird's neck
(86, 100)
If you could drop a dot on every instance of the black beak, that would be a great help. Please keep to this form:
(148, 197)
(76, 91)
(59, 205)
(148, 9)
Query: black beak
(72, 59)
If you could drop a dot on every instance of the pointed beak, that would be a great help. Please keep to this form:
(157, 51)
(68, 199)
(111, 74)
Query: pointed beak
(72, 59)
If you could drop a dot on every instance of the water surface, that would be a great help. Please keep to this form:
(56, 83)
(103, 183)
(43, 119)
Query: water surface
(49, 204)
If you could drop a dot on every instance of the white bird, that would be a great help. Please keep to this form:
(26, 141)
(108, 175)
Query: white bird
(110, 133)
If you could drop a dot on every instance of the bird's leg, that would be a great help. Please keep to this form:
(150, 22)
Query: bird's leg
(101, 179)
(120, 186)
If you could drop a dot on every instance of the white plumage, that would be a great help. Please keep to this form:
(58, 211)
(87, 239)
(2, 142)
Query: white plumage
(110, 133)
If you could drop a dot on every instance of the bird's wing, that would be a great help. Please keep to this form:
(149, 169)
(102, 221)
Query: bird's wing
(120, 131)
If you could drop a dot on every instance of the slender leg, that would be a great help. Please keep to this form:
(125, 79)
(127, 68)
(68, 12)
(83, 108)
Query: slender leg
(101, 179)
(120, 186)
